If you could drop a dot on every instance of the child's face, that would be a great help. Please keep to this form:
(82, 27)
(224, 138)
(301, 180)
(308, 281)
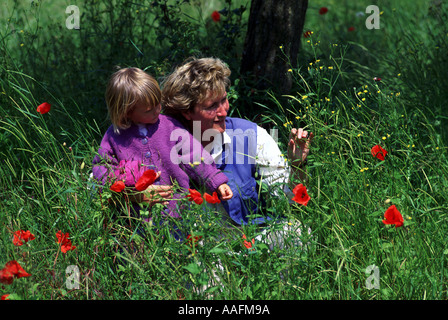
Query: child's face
(142, 113)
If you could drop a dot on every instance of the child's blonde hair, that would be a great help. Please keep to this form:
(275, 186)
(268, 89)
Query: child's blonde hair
(126, 88)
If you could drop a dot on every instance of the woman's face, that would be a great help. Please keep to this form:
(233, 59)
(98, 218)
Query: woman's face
(211, 113)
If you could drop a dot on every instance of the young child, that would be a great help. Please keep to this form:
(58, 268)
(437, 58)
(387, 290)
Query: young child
(140, 138)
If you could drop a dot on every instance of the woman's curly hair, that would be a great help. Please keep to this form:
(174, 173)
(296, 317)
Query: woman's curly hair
(192, 83)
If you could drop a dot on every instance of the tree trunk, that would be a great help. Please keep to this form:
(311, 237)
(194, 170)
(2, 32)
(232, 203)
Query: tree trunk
(273, 24)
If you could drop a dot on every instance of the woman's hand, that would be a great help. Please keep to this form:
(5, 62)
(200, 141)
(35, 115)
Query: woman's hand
(299, 146)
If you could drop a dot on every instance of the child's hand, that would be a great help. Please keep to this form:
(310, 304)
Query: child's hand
(157, 193)
(225, 192)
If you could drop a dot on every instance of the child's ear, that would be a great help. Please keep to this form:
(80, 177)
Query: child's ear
(187, 114)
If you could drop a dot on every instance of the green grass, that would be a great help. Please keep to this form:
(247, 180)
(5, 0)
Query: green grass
(46, 159)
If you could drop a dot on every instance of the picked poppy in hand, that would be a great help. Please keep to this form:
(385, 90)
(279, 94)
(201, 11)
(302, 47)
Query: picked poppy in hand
(378, 152)
(44, 108)
(21, 236)
(301, 195)
(147, 179)
(393, 216)
(212, 198)
(195, 196)
(118, 186)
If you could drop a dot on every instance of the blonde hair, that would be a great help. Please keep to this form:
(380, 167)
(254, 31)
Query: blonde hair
(126, 88)
(193, 83)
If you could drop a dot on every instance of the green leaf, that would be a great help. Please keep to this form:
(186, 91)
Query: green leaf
(386, 246)
(218, 250)
(13, 296)
(193, 268)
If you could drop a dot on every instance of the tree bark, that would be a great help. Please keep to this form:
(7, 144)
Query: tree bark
(272, 42)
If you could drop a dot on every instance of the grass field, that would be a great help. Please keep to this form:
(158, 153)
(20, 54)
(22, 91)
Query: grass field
(354, 88)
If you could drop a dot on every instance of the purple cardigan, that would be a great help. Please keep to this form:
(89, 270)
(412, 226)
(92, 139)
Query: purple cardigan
(165, 146)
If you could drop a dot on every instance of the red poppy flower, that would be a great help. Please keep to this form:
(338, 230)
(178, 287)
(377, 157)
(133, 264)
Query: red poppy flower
(216, 16)
(147, 179)
(67, 246)
(12, 269)
(195, 196)
(118, 186)
(378, 152)
(21, 236)
(4, 297)
(323, 10)
(212, 199)
(393, 216)
(301, 195)
(192, 240)
(6, 277)
(248, 244)
(350, 29)
(44, 108)
(64, 241)
(307, 34)
(16, 269)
